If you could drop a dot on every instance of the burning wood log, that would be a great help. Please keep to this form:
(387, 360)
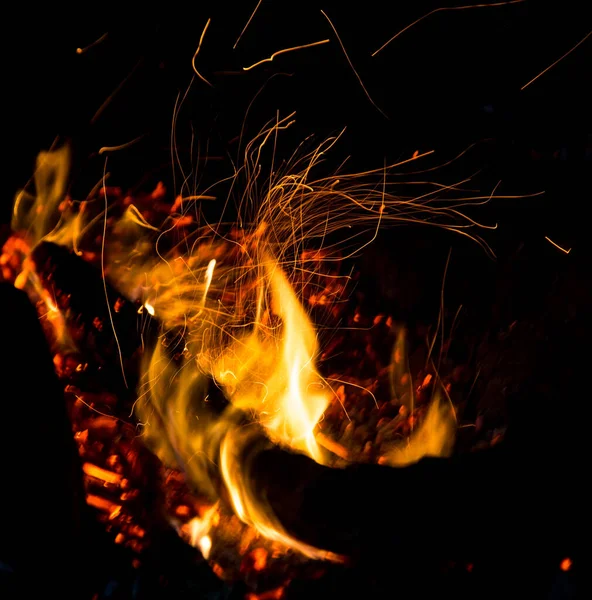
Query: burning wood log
(483, 508)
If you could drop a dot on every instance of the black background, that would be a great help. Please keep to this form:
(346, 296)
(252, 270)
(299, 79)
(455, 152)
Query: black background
(449, 81)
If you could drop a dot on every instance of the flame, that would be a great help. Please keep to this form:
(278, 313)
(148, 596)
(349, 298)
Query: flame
(273, 375)
(233, 370)
(149, 308)
(434, 437)
(267, 375)
(38, 213)
(436, 433)
(198, 529)
(46, 215)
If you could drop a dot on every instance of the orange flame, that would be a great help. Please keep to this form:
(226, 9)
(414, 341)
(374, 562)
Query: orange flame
(232, 322)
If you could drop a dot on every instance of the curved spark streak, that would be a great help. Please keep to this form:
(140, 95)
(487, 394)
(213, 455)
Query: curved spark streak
(558, 60)
(203, 33)
(105, 280)
(82, 50)
(353, 68)
(116, 91)
(284, 51)
(441, 10)
(121, 146)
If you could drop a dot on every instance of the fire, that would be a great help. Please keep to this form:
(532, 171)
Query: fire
(434, 437)
(234, 366)
(198, 529)
(271, 373)
(267, 375)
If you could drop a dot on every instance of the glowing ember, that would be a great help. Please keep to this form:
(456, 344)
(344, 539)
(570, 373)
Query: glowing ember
(566, 564)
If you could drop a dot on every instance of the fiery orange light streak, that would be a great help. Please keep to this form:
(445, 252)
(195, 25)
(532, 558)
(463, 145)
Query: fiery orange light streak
(203, 33)
(557, 61)
(292, 49)
(442, 9)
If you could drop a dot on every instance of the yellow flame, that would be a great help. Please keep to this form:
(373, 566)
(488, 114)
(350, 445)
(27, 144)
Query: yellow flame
(199, 528)
(37, 213)
(434, 437)
(437, 430)
(267, 374)
(232, 323)
(46, 215)
(272, 373)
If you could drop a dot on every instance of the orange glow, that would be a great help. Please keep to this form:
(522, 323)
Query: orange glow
(259, 556)
(565, 564)
(103, 505)
(99, 473)
(275, 594)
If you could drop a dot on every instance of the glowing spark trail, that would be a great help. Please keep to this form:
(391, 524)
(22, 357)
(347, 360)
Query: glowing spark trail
(245, 27)
(284, 51)
(103, 276)
(352, 66)
(558, 246)
(93, 44)
(558, 60)
(441, 10)
(203, 33)
(121, 146)
(113, 94)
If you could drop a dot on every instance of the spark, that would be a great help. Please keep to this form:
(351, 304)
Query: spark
(227, 373)
(95, 43)
(113, 94)
(353, 68)
(440, 322)
(245, 27)
(293, 48)
(361, 387)
(564, 250)
(121, 146)
(203, 33)
(79, 398)
(441, 10)
(105, 280)
(136, 217)
(558, 60)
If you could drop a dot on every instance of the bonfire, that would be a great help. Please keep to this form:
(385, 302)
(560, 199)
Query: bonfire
(223, 379)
